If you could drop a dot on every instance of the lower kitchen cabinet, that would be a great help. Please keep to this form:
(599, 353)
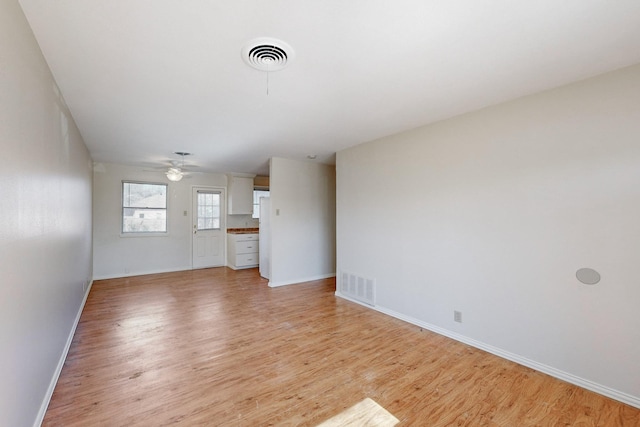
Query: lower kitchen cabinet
(242, 250)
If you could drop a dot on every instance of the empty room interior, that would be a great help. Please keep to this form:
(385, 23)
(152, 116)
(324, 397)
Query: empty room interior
(296, 212)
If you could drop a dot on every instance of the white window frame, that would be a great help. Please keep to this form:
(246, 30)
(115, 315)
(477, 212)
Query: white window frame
(124, 233)
(256, 214)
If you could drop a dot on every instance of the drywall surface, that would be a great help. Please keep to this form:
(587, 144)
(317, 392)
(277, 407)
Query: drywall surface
(45, 223)
(117, 255)
(492, 213)
(302, 221)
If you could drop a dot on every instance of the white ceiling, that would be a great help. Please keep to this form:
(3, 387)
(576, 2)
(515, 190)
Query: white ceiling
(145, 78)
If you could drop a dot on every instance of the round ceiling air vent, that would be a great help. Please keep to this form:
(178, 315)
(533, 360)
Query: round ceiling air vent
(267, 54)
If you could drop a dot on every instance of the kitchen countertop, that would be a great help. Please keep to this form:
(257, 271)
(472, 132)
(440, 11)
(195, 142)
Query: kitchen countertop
(242, 230)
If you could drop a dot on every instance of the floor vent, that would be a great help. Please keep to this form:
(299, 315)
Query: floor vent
(358, 288)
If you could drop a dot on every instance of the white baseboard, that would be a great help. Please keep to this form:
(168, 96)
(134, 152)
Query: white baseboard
(242, 268)
(549, 370)
(142, 273)
(273, 284)
(63, 357)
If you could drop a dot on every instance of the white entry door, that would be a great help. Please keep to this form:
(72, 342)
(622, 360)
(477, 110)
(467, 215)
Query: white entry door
(208, 227)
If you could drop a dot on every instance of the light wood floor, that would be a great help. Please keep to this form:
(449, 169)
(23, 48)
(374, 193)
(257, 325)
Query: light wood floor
(217, 347)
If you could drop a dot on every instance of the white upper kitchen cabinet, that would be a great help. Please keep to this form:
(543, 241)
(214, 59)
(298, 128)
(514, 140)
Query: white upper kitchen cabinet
(240, 199)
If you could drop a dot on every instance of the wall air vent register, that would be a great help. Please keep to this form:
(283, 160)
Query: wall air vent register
(358, 288)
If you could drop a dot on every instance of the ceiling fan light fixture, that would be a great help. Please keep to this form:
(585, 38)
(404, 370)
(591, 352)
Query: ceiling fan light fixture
(174, 174)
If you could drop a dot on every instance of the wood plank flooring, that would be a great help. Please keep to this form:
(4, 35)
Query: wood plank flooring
(218, 347)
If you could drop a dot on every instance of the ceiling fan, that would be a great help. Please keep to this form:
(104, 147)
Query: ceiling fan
(176, 171)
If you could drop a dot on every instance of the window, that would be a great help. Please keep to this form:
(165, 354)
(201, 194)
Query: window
(208, 210)
(257, 194)
(144, 207)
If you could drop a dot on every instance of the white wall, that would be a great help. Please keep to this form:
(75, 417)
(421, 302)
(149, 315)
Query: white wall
(242, 221)
(492, 213)
(119, 256)
(302, 221)
(45, 224)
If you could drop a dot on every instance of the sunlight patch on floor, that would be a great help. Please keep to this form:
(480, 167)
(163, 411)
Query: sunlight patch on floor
(366, 413)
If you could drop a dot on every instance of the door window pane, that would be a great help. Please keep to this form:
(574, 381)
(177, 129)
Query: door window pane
(208, 210)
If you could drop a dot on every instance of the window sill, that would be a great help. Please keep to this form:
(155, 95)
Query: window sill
(144, 234)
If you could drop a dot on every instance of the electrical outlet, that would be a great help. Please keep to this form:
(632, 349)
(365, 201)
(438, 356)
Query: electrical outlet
(457, 316)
